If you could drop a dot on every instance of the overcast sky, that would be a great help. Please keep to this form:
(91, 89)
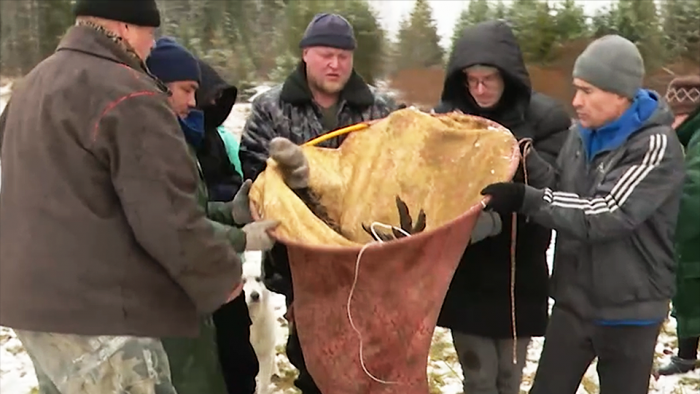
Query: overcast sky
(446, 12)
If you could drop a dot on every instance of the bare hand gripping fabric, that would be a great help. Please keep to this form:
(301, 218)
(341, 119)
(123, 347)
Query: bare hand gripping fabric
(366, 322)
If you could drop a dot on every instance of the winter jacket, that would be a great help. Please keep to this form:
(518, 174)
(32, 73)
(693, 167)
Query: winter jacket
(194, 362)
(100, 230)
(216, 98)
(614, 207)
(686, 302)
(289, 111)
(478, 301)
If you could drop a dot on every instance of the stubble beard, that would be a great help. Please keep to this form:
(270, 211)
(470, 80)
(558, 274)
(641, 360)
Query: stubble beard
(327, 87)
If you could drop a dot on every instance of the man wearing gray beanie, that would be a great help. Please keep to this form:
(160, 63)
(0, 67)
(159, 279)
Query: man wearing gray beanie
(614, 205)
(612, 64)
(324, 93)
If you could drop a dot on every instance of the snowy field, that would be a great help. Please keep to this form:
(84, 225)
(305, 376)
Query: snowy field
(444, 372)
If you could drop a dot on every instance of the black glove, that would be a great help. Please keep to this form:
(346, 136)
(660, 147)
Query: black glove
(506, 197)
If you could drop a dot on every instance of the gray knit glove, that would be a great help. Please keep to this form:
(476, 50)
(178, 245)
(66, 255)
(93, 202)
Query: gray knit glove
(291, 161)
(257, 236)
(240, 210)
(487, 225)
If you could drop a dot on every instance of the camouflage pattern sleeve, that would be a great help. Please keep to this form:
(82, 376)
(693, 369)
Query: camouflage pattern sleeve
(257, 133)
(384, 105)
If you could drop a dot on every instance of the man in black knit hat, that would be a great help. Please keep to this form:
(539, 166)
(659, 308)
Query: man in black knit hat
(103, 248)
(324, 93)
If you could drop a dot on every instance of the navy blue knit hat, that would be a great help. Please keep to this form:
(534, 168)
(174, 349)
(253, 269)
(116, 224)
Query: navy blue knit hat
(171, 62)
(329, 30)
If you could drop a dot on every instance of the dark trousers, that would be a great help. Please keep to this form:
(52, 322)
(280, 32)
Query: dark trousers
(625, 355)
(236, 355)
(304, 382)
(688, 348)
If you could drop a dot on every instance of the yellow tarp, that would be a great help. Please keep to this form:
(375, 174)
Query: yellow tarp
(438, 163)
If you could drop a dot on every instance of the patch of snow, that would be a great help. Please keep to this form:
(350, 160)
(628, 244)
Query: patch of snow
(16, 369)
(257, 91)
(236, 120)
(384, 87)
(5, 92)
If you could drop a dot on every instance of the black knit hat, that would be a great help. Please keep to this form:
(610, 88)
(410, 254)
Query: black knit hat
(171, 62)
(135, 12)
(329, 30)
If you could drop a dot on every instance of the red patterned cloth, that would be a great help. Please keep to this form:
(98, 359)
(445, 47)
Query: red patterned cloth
(400, 289)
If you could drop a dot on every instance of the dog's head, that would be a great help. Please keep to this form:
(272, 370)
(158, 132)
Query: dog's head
(255, 291)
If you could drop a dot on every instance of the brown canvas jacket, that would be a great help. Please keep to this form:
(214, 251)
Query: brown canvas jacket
(100, 231)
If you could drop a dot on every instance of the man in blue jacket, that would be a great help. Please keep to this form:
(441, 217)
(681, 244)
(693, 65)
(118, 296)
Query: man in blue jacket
(614, 204)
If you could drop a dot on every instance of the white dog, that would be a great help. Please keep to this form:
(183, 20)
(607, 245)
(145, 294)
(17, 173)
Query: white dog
(262, 332)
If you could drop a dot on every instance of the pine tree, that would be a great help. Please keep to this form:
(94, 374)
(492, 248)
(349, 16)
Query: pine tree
(570, 21)
(638, 21)
(54, 19)
(681, 25)
(535, 29)
(500, 11)
(461, 24)
(604, 21)
(477, 11)
(418, 41)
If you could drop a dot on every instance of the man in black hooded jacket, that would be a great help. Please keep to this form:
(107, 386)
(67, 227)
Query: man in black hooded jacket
(216, 98)
(238, 361)
(486, 76)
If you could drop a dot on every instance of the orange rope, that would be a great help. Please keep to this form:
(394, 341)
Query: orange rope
(339, 132)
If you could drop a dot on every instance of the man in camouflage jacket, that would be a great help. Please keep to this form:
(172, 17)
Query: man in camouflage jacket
(324, 93)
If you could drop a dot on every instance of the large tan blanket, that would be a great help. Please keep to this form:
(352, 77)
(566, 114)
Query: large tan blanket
(366, 322)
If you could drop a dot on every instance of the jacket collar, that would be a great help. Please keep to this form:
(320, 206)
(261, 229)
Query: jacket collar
(90, 40)
(296, 89)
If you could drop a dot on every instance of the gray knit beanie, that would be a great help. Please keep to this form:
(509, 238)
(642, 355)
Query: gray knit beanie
(611, 63)
(329, 30)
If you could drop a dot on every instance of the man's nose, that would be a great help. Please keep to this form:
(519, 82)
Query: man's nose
(334, 62)
(255, 296)
(192, 101)
(577, 102)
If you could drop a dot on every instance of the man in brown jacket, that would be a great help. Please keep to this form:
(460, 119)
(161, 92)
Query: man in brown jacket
(103, 247)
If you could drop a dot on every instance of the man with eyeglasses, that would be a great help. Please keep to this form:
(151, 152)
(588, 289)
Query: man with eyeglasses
(486, 76)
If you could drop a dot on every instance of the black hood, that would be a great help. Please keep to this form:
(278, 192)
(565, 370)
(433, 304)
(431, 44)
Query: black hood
(489, 43)
(214, 87)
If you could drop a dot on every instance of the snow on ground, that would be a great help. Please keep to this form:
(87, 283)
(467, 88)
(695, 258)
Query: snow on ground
(444, 372)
